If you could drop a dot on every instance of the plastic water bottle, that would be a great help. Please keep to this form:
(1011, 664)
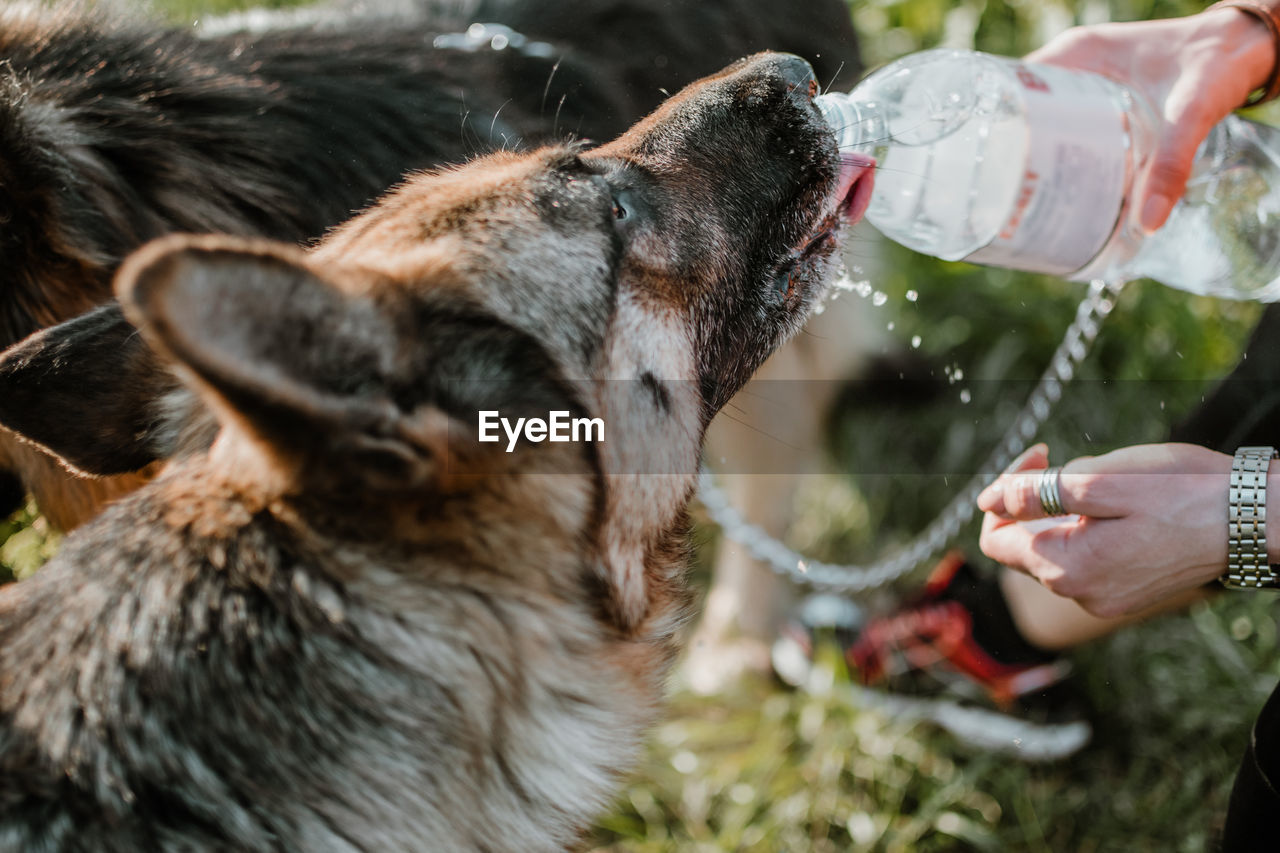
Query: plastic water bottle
(1033, 167)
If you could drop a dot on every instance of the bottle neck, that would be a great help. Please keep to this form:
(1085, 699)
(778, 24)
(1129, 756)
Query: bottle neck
(857, 125)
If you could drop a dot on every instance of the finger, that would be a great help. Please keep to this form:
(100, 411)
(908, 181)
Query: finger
(1035, 457)
(1043, 553)
(991, 521)
(1020, 496)
(1187, 121)
(1007, 542)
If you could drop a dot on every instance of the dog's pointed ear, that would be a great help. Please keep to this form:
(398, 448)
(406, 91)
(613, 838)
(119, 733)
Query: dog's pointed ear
(301, 364)
(87, 390)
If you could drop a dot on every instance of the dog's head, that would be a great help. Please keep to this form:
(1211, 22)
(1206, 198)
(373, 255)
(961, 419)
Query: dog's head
(639, 283)
(688, 249)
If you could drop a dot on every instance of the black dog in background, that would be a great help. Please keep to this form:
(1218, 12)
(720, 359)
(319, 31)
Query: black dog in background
(115, 131)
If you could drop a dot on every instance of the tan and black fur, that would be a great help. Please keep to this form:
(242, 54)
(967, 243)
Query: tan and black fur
(349, 625)
(114, 131)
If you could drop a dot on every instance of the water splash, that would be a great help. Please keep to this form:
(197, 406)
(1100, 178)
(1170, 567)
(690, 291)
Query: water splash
(845, 283)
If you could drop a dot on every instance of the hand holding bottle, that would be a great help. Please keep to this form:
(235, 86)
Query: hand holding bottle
(1194, 70)
(1065, 163)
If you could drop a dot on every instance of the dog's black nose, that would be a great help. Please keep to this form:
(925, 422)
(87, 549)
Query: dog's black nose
(798, 75)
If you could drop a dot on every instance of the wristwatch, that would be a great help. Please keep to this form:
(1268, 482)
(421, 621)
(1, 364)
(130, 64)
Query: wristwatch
(1247, 564)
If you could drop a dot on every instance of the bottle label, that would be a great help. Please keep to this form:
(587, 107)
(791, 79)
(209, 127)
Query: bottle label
(1075, 180)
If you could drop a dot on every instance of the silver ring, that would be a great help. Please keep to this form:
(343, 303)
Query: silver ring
(1050, 497)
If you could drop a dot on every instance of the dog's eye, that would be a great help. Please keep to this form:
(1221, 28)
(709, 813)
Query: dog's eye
(784, 281)
(627, 206)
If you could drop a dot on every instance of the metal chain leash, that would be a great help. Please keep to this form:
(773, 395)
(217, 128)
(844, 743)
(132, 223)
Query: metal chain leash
(1076, 343)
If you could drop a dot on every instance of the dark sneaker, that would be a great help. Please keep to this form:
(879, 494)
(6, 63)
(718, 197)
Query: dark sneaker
(931, 659)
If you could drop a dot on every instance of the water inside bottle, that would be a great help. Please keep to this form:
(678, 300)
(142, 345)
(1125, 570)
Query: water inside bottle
(945, 187)
(1223, 238)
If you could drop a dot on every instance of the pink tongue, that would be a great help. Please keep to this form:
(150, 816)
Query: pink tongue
(857, 177)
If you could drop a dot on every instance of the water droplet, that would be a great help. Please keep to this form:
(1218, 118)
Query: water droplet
(959, 374)
(915, 342)
(802, 567)
(891, 325)
(912, 296)
(879, 298)
(965, 396)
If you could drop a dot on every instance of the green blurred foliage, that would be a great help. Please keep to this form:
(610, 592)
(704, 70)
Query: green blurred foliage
(892, 28)
(189, 11)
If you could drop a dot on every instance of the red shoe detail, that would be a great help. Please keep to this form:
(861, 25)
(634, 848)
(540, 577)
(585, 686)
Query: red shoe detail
(939, 634)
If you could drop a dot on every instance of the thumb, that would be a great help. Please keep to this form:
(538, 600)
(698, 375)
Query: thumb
(1186, 123)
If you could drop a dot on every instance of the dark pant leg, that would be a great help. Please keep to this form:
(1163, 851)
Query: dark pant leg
(1253, 815)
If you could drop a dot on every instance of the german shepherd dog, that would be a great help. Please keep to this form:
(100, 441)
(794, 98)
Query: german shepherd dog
(114, 132)
(352, 624)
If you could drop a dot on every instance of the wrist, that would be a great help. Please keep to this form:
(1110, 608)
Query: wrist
(1252, 29)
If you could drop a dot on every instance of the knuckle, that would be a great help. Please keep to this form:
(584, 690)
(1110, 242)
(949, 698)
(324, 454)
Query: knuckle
(1024, 496)
(1170, 167)
(1063, 584)
(1052, 578)
(1091, 490)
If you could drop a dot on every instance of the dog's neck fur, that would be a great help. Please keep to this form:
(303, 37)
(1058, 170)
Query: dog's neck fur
(212, 646)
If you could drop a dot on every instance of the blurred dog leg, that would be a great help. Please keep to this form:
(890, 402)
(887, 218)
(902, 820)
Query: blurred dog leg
(766, 440)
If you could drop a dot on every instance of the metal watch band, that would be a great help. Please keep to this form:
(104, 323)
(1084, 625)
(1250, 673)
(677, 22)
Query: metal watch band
(1247, 564)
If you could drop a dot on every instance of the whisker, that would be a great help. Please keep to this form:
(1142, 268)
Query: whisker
(546, 90)
(493, 123)
(759, 431)
(834, 76)
(555, 124)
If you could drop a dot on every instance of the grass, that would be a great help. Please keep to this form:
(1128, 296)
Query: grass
(766, 769)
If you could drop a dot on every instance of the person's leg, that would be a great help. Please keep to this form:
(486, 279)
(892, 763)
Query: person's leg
(1053, 623)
